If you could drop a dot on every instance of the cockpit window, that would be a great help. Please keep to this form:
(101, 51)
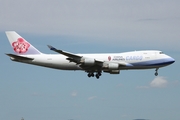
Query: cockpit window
(161, 53)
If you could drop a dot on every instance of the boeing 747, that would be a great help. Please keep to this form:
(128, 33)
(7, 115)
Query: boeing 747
(93, 64)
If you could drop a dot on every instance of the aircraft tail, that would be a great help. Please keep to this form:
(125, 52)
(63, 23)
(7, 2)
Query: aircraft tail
(20, 45)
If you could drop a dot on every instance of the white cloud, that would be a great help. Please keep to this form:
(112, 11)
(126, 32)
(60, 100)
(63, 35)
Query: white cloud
(74, 93)
(92, 97)
(159, 82)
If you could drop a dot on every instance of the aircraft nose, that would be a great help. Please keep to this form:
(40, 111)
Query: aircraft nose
(171, 60)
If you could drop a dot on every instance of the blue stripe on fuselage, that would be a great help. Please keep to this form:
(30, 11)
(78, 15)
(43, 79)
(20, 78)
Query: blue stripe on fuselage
(159, 62)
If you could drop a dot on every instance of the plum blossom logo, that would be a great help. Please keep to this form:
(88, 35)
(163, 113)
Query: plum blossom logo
(20, 46)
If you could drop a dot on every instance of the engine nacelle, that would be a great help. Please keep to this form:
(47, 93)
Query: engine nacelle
(111, 66)
(88, 61)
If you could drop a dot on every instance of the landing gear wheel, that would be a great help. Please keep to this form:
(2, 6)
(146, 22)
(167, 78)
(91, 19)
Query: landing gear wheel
(89, 75)
(97, 76)
(156, 74)
(99, 73)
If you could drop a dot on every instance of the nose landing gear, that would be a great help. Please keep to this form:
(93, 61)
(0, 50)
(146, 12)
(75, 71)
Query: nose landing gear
(156, 72)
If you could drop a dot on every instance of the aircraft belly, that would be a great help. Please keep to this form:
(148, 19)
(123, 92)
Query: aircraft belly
(66, 66)
(137, 67)
(56, 64)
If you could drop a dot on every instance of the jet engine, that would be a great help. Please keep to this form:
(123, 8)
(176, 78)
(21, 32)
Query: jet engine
(111, 66)
(87, 61)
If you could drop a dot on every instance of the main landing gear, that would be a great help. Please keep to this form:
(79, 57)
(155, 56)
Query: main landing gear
(97, 75)
(156, 72)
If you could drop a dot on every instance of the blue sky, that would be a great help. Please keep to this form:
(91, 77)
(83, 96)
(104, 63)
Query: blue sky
(95, 26)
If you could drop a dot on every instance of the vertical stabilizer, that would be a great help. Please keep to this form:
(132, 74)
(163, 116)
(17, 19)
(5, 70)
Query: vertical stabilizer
(20, 45)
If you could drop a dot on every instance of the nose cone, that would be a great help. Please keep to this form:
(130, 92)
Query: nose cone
(171, 60)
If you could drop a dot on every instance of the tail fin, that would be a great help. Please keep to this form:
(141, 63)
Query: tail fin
(20, 45)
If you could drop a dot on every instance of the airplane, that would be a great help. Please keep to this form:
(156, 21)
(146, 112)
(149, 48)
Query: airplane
(93, 64)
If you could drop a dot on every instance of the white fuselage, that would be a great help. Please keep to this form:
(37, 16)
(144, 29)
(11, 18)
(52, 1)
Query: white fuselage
(131, 60)
(93, 64)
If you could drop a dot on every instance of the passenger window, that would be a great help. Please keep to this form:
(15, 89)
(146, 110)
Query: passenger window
(161, 53)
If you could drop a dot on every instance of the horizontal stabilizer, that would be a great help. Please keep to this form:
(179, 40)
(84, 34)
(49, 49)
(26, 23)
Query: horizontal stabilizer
(17, 57)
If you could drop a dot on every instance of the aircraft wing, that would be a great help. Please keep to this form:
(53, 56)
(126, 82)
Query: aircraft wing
(17, 57)
(70, 55)
(89, 64)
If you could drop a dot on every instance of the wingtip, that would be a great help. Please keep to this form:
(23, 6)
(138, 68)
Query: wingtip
(51, 47)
